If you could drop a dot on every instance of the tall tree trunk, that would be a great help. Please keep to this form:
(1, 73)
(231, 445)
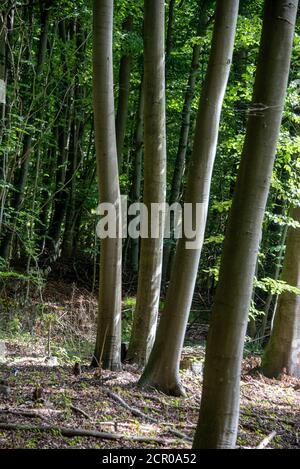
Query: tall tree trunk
(4, 23)
(18, 197)
(70, 187)
(124, 88)
(63, 135)
(3, 41)
(219, 411)
(137, 175)
(162, 370)
(269, 300)
(62, 177)
(283, 350)
(77, 131)
(108, 344)
(184, 134)
(145, 317)
(169, 38)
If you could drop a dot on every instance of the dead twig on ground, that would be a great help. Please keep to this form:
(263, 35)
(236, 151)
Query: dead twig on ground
(23, 413)
(70, 432)
(264, 443)
(80, 411)
(141, 414)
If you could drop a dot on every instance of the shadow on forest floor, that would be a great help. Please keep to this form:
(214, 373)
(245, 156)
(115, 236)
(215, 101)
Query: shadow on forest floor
(82, 402)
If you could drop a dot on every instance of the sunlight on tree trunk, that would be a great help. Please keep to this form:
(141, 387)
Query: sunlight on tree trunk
(147, 303)
(108, 344)
(162, 370)
(283, 350)
(219, 411)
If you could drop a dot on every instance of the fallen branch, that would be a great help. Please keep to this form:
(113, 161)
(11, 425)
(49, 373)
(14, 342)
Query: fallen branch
(139, 413)
(70, 432)
(264, 443)
(23, 413)
(80, 411)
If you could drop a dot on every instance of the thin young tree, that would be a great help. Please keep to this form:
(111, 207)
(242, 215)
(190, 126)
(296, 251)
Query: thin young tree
(137, 174)
(108, 343)
(124, 91)
(3, 79)
(219, 410)
(162, 370)
(169, 35)
(145, 317)
(283, 350)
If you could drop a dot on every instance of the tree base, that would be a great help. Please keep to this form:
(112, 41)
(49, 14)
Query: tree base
(170, 387)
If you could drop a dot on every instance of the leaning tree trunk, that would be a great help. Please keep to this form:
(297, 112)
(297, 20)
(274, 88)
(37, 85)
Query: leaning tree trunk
(184, 133)
(145, 317)
(219, 411)
(162, 370)
(283, 350)
(108, 344)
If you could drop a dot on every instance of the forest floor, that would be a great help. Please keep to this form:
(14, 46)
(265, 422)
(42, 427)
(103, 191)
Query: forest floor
(86, 402)
(111, 404)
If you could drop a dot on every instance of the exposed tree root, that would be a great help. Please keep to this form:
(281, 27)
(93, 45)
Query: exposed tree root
(138, 413)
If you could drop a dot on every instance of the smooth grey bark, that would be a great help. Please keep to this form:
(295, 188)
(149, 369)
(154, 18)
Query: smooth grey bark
(162, 370)
(219, 410)
(3, 42)
(124, 89)
(283, 350)
(108, 343)
(3, 107)
(145, 317)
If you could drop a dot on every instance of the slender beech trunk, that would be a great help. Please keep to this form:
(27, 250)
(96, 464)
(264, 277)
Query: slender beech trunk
(219, 411)
(283, 350)
(162, 370)
(108, 344)
(59, 205)
(63, 135)
(77, 131)
(3, 41)
(269, 300)
(124, 89)
(184, 134)
(145, 317)
(70, 188)
(169, 38)
(3, 84)
(137, 175)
